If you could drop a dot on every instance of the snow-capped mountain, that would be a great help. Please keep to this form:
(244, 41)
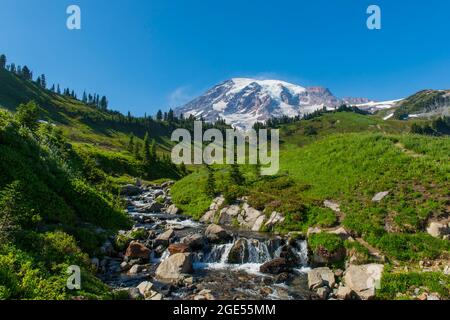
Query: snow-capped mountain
(243, 101)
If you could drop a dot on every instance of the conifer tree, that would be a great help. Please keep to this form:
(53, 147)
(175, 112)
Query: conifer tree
(43, 81)
(146, 152)
(210, 188)
(159, 115)
(2, 61)
(130, 146)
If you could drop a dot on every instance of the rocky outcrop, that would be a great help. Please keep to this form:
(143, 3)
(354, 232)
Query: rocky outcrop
(241, 212)
(363, 279)
(174, 267)
(228, 214)
(209, 216)
(251, 218)
(216, 234)
(274, 219)
(137, 250)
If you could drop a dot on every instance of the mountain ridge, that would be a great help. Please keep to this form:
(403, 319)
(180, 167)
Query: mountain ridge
(242, 102)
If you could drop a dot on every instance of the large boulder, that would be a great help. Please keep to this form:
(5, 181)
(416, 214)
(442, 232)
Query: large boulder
(195, 241)
(275, 266)
(130, 190)
(216, 234)
(174, 267)
(320, 277)
(137, 250)
(239, 252)
(178, 248)
(364, 279)
(438, 230)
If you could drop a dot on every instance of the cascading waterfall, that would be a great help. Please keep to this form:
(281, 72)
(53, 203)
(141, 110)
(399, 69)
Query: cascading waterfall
(248, 254)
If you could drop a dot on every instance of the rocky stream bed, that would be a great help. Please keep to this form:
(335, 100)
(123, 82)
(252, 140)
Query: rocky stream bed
(169, 256)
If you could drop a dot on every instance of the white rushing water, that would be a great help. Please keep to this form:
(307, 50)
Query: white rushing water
(253, 252)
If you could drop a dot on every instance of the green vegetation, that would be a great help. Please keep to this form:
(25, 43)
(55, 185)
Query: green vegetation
(51, 214)
(402, 285)
(325, 241)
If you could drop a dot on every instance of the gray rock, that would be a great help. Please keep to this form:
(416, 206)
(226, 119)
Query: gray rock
(135, 269)
(438, 230)
(164, 238)
(173, 268)
(145, 288)
(380, 196)
(194, 241)
(157, 193)
(332, 205)
(344, 293)
(130, 190)
(208, 217)
(216, 234)
(275, 218)
(239, 252)
(172, 209)
(321, 277)
(227, 214)
(364, 279)
(258, 223)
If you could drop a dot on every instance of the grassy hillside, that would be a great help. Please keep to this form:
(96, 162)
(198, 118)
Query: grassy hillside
(51, 217)
(348, 158)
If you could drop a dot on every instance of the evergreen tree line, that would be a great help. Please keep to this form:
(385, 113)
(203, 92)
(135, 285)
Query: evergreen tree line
(437, 127)
(26, 74)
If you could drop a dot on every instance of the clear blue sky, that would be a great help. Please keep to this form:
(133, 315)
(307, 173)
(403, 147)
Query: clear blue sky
(152, 54)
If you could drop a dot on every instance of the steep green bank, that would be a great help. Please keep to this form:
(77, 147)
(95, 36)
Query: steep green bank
(51, 217)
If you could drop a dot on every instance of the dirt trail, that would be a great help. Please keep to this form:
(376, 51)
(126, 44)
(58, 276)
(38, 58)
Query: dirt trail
(411, 153)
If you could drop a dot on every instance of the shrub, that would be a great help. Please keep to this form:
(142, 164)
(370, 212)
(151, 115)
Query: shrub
(328, 241)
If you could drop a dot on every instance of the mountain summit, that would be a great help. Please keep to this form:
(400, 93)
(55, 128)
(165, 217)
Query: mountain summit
(243, 101)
